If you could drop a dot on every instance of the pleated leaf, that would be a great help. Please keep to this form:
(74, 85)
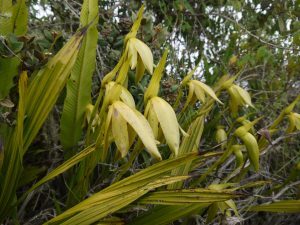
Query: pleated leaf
(111, 221)
(79, 84)
(187, 196)
(42, 93)
(13, 153)
(122, 193)
(45, 88)
(165, 214)
(189, 144)
(284, 206)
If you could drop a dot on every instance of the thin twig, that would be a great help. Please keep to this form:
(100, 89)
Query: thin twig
(11, 51)
(253, 35)
(287, 187)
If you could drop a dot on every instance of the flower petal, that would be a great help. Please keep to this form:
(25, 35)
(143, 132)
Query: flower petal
(207, 89)
(120, 132)
(138, 122)
(244, 95)
(168, 122)
(145, 53)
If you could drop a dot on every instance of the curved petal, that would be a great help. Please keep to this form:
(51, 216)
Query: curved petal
(207, 89)
(244, 95)
(141, 126)
(168, 122)
(145, 53)
(120, 132)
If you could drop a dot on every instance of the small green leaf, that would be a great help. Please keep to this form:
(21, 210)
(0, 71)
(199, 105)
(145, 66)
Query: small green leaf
(19, 18)
(14, 44)
(8, 70)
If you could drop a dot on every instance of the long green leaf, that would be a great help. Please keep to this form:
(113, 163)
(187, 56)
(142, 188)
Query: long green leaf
(45, 88)
(189, 144)
(186, 196)
(79, 84)
(122, 193)
(115, 200)
(13, 155)
(165, 214)
(284, 206)
(41, 95)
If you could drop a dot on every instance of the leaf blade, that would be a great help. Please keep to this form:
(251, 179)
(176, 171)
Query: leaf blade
(8, 70)
(284, 206)
(80, 81)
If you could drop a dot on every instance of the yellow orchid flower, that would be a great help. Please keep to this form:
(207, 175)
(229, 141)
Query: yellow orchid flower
(161, 115)
(294, 122)
(120, 118)
(139, 52)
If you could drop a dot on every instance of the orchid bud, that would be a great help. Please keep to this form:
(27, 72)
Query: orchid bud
(221, 136)
(250, 143)
(238, 154)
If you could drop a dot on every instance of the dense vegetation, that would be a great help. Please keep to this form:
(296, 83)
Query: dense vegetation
(171, 112)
